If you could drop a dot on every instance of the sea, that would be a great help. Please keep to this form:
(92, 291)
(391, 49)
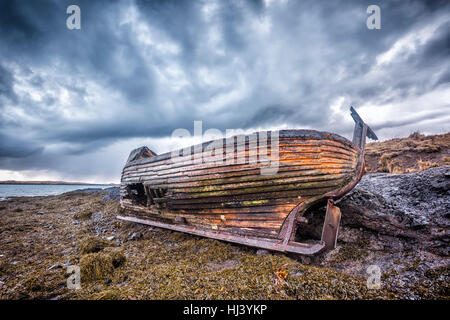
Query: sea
(27, 190)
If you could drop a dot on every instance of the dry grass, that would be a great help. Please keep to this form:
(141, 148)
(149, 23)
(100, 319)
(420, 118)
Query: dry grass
(388, 163)
(423, 165)
(414, 153)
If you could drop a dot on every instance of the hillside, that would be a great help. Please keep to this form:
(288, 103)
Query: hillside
(412, 154)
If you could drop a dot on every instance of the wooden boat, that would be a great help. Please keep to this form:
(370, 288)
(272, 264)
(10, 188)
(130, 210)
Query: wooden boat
(232, 198)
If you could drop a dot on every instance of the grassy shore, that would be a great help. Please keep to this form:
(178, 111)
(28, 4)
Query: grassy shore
(41, 236)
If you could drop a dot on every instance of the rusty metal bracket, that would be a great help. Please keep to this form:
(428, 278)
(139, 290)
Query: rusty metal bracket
(331, 225)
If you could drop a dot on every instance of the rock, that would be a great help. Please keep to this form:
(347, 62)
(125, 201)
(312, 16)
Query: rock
(108, 281)
(97, 216)
(113, 194)
(55, 266)
(398, 222)
(134, 236)
(110, 238)
(402, 205)
(89, 190)
(40, 212)
(305, 259)
(228, 264)
(298, 274)
(262, 252)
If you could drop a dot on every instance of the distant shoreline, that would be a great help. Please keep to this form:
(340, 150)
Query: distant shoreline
(14, 182)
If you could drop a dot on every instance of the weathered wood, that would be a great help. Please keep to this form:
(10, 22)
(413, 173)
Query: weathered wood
(234, 199)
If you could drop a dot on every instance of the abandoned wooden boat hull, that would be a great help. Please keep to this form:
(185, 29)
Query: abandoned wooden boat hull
(229, 193)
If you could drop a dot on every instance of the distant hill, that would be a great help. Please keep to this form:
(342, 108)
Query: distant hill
(54, 182)
(412, 154)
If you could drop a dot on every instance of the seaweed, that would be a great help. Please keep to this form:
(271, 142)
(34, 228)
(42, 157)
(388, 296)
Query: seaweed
(92, 244)
(100, 265)
(161, 264)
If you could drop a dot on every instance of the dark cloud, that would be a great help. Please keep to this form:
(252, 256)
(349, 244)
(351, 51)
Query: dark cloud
(408, 121)
(270, 114)
(140, 69)
(435, 50)
(13, 147)
(6, 84)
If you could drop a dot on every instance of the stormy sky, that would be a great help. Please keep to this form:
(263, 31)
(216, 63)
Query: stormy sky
(75, 102)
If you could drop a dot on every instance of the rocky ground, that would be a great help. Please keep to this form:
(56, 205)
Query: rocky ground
(397, 223)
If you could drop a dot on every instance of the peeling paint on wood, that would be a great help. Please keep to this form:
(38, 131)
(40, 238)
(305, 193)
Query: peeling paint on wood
(229, 199)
